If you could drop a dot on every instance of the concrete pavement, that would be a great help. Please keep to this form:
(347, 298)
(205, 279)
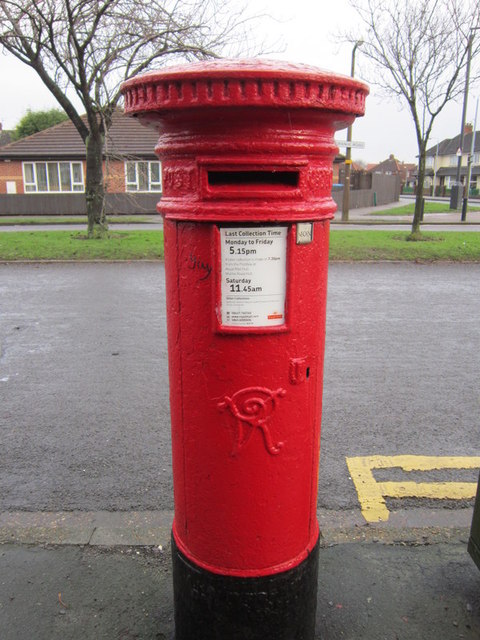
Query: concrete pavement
(375, 583)
(152, 528)
(450, 221)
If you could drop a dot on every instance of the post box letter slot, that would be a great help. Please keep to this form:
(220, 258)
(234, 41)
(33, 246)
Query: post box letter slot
(269, 179)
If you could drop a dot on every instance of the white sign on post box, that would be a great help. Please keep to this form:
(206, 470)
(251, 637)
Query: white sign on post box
(254, 275)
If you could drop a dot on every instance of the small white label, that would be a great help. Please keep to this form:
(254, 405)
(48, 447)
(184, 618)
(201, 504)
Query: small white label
(254, 275)
(304, 232)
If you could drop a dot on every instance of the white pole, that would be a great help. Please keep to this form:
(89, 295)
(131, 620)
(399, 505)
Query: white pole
(435, 171)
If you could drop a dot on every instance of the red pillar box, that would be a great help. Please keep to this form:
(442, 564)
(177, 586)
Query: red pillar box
(247, 151)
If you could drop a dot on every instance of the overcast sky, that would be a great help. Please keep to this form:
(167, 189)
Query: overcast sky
(308, 29)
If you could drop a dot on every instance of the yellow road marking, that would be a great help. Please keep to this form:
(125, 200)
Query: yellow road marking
(371, 493)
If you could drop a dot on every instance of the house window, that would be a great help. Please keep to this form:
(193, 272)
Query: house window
(449, 182)
(53, 177)
(143, 176)
(453, 161)
(429, 162)
(476, 158)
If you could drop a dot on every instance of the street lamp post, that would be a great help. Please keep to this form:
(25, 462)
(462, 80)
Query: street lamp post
(469, 166)
(348, 155)
(435, 162)
(456, 195)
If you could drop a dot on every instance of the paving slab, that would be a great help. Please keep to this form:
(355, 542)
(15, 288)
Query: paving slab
(366, 591)
(94, 528)
(152, 528)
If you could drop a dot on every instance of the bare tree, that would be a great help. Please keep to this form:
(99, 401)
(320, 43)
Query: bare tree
(419, 49)
(83, 49)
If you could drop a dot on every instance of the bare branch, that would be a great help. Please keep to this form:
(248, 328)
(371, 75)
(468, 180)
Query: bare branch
(89, 47)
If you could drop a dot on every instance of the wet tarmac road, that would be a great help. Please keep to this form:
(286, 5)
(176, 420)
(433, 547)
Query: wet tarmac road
(84, 421)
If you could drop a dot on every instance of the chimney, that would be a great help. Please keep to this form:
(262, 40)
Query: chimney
(468, 128)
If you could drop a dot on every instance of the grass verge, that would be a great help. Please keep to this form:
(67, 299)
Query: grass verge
(364, 245)
(8, 221)
(392, 245)
(67, 245)
(430, 207)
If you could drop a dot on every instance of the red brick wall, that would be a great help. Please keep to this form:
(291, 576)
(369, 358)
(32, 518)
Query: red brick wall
(11, 171)
(115, 179)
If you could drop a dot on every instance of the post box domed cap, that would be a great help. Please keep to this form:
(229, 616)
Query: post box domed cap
(239, 83)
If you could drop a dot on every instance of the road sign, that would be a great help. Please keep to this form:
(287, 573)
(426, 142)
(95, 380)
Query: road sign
(350, 143)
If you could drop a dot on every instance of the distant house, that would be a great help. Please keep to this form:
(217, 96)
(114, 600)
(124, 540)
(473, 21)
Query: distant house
(442, 161)
(378, 184)
(337, 175)
(45, 173)
(367, 188)
(357, 175)
(393, 167)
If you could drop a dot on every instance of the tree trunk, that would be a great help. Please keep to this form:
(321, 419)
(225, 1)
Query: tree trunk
(94, 186)
(417, 216)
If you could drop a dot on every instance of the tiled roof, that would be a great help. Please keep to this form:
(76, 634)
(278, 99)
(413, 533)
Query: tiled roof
(452, 171)
(126, 138)
(393, 166)
(450, 146)
(386, 166)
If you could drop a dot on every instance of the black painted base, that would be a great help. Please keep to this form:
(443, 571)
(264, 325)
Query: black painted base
(208, 606)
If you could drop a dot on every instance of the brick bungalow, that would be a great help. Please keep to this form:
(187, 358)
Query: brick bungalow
(45, 173)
